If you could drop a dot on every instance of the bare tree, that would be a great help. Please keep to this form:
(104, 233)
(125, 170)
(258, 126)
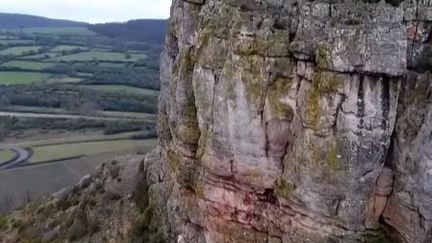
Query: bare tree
(7, 201)
(28, 196)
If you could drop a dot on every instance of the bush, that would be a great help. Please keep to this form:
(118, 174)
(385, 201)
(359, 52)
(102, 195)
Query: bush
(3, 222)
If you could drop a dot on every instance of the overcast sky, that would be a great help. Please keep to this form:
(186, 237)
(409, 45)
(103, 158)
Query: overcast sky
(93, 11)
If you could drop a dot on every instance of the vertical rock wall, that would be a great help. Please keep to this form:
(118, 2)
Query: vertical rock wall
(297, 121)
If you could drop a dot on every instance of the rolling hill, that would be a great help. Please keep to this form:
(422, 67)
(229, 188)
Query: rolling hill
(151, 31)
(12, 21)
(147, 30)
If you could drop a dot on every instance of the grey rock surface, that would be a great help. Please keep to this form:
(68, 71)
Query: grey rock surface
(297, 121)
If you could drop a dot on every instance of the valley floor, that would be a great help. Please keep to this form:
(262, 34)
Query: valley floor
(35, 165)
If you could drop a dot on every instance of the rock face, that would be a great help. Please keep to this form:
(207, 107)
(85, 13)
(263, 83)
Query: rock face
(296, 121)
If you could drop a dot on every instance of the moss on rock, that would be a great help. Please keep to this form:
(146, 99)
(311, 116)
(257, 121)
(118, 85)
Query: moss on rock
(4, 222)
(328, 81)
(173, 160)
(276, 92)
(332, 157)
(323, 57)
(324, 82)
(313, 108)
(377, 237)
(284, 189)
(252, 79)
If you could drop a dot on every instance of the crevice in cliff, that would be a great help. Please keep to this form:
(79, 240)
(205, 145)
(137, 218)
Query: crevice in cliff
(267, 141)
(262, 114)
(360, 98)
(264, 96)
(216, 82)
(338, 110)
(388, 161)
(367, 172)
(385, 99)
(283, 157)
(416, 27)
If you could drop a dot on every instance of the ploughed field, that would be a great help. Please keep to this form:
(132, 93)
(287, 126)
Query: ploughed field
(70, 99)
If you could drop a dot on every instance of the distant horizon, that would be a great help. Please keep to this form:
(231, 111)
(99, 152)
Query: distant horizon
(84, 22)
(92, 12)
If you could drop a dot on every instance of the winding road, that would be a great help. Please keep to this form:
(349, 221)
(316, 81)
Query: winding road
(21, 157)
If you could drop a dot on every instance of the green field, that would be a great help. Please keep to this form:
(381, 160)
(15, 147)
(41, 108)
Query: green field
(61, 48)
(131, 115)
(63, 151)
(99, 56)
(42, 56)
(19, 50)
(14, 78)
(103, 49)
(7, 37)
(123, 89)
(60, 111)
(63, 80)
(75, 138)
(6, 155)
(34, 109)
(111, 65)
(16, 42)
(73, 31)
(27, 65)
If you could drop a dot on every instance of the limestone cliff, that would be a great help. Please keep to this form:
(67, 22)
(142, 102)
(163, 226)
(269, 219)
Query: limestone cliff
(298, 121)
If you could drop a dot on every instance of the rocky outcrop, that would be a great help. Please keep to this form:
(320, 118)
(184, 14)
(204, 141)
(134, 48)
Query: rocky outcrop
(114, 205)
(297, 121)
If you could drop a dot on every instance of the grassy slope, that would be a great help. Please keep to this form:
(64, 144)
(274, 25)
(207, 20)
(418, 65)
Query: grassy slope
(43, 179)
(83, 215)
